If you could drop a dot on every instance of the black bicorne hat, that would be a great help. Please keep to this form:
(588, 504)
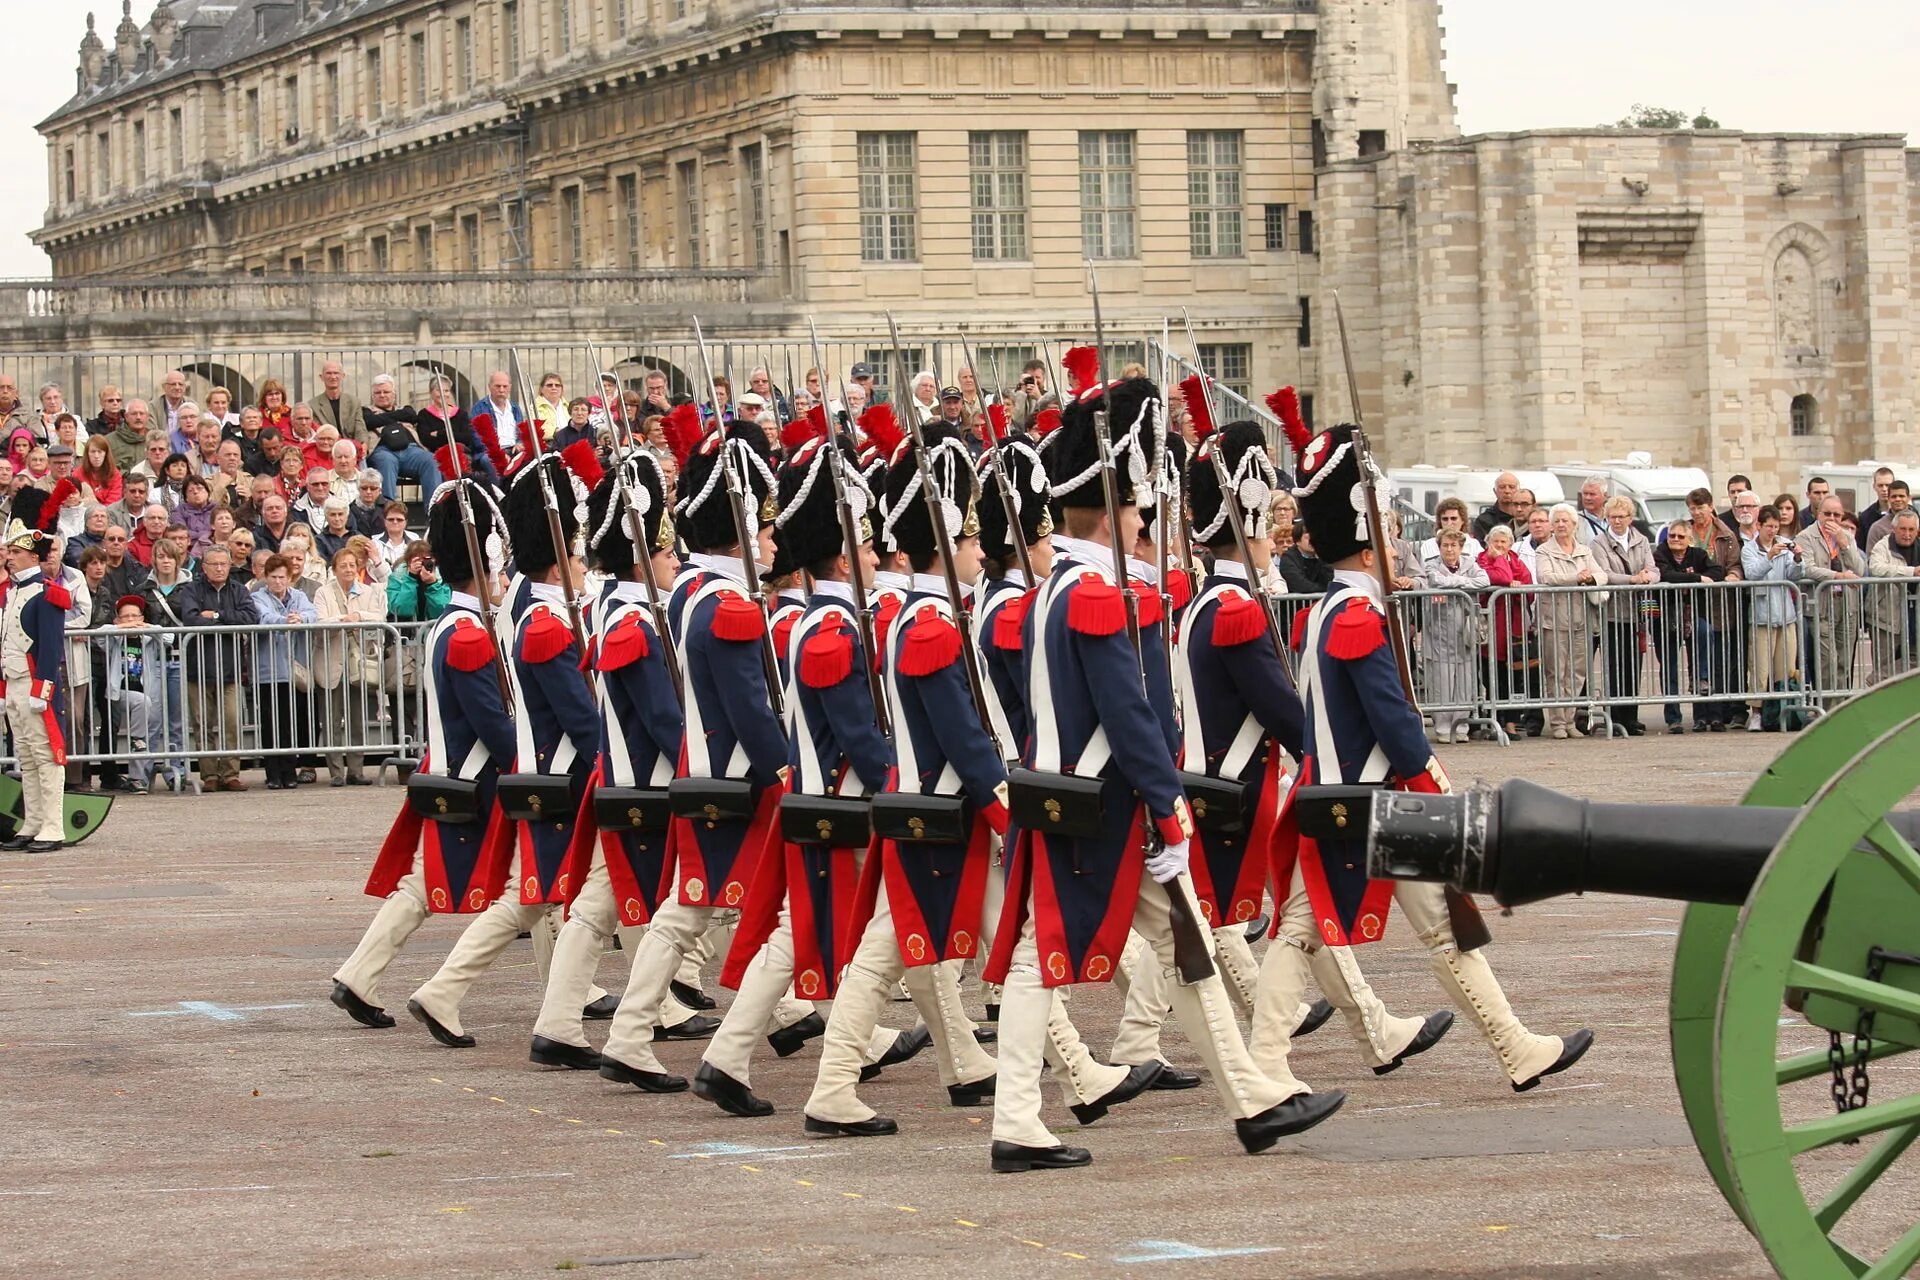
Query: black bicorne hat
(705, 515)
(1027, 484)
(1242, 449)
(636, 481)
(1332, 500)
(446, 531)
(528, 528)
(1136, 424)
(807, 530)
(907, 522)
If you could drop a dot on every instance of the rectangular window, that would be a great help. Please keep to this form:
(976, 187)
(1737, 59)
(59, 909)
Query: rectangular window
(290, 109)
(997, 173)
(377, 255)
(1214, 211)
(254, 140)
(417, 70)
(627, 187)
(423, 248)
(1107, 194)
(889, 227)
(1306, 231)
(463, 55)
(1275, 225)
(620, 18)
(573, 230)
(296, 265)
(687, 175)
(470, 241)
(753, 164)
(332, 90)
(1373, 142)
(999, 368)
(1305, 334)
(566, 25)
(1306, 409)
(886, 369)
(337, 260)
(176, 141)
(376, 86)
(510, 30)
(139, 151)
(1230, 364)
(513, 233)
(102, 163)
(69, 174)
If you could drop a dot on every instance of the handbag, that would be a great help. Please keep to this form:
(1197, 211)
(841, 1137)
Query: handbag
(1055, 804)
(711, 799)
(909, 818)
(1333, 812)
(443, 799)
(838, 822)
(1221, 806)
(539, 797)
(640, 810)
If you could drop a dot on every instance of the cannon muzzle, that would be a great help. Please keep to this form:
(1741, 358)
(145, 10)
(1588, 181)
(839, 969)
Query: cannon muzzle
(1524, 843)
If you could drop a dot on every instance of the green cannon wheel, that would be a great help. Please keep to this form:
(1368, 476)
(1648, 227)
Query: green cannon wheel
(1707, 929)
(85, 811)
(1831, 928)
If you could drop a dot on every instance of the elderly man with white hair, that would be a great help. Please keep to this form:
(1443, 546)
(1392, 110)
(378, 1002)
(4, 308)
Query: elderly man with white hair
(397, 450)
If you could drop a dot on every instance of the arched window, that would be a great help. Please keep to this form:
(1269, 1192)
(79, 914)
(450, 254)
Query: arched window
(1804, 415)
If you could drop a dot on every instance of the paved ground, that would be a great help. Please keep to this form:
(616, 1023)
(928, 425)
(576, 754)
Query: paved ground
(178, 1098)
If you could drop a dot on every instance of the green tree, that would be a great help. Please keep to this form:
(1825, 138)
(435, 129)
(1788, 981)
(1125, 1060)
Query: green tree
(1645, 117)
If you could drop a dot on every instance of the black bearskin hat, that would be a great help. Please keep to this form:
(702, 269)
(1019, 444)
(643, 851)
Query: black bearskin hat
(1027, 485)
(447, 535)
(807, 530)
(907, 522)
(609, 519)
(705, 515)
(1332, 503)
(526, 512)
(1242, 449)
(1137, 426)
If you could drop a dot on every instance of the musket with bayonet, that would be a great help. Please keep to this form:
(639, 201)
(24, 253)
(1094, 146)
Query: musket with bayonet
(562, 551)
(850, 536)
(1001, 484)
(482, 584)
(1191, 956)
(745, 528)
(943, 540)
(637, 528)
(1231, 504)
(1370, 474)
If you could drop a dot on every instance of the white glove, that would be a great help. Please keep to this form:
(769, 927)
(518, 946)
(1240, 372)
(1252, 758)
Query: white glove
(1169, 863)
(36, 705)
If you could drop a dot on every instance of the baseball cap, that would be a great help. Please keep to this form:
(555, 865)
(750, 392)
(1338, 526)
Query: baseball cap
(861, 370)
(951, 393)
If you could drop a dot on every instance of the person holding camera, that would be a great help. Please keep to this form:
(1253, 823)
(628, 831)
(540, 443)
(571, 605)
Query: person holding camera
(415, 591)
(1030, 395)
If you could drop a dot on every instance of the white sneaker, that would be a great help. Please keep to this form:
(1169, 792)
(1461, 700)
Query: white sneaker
(1442, 735)
(1753, 722)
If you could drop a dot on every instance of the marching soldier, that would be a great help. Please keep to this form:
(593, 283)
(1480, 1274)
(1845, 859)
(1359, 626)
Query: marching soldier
(933, 853)
(469, 740)
(616, 868)
(1001, 600)
(1362, 731)
(33, 662)
(1101, 764)
(556, 735)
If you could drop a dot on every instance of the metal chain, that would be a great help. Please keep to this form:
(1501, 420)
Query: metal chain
(1851, 1084)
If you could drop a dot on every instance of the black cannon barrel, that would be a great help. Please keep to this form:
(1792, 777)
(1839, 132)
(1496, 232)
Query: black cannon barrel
(1524, 843)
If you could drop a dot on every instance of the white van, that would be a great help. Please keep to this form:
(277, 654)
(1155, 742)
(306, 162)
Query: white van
(1659, 494)
(1852, 482)
(1423, 486)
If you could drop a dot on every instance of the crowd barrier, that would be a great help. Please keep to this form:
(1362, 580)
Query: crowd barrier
(167, 702)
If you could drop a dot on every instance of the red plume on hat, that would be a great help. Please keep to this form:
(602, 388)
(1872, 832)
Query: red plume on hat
(1194, 392)
(584, 463)
(882, 429)
(802, 429)
(1045, 421)
(996, 423)
(1285, 404)
(683, 431)
(50, 510)
(1083, 368)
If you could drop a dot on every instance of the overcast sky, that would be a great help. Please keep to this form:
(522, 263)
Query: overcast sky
(1753, 64)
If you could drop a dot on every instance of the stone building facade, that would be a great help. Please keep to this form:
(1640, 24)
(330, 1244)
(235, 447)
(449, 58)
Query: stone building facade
(1739, 302)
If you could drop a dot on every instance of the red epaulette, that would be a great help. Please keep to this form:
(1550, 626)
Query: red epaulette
(624, 645)
(469, 648)
(1152, 608)
(1096, 607)
(883, 615)
(588, 658)
(783, 629)
(1007, 622)
(932, 643)
(1180, 588)
(57, 595)
(1357, 631)
(545, 635)
(1239, 619)
(1299, 630)
(737, 618)
(827, 656)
